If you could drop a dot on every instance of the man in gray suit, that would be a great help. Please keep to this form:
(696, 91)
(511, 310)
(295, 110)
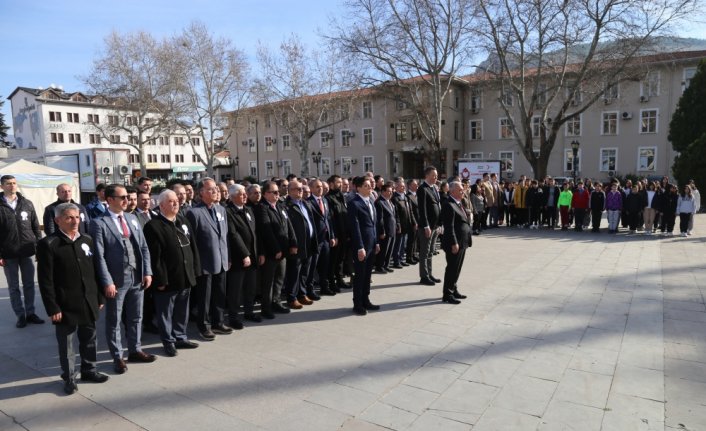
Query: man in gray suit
(210, 224)
(122, 262)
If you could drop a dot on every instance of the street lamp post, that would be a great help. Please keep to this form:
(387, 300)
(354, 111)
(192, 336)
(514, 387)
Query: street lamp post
(236, 162)
(575, 149)
(316, 157)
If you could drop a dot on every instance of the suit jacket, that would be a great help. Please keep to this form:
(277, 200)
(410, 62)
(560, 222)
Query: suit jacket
(403, 209)
(557, 192)
(50, 225)
(173, 253)
(67, 279)
(242, 236)
(211, 237)
(457, 228)
(339, 214)
(143, 217)
(95, 208)
(275, 233)
(307, 244)
(429, 206)
(108, 250)
(322, 222)
(413, 205)
(363, 230)
(386, 222)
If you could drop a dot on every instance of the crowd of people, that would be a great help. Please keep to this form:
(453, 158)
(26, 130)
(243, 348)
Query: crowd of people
(210, 252)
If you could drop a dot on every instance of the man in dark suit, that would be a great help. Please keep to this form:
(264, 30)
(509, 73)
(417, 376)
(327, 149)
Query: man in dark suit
(122, 261)
(97, 206)
(241, 280)
(429, 209)
(70, 294)
(275, 241)
(364, 244)
(387, 228)
(454, 241)
(412, 245)
(320, 263)
(339, 223)
(210, 223)
(551, 194)
(144, 212)
(175, 263)
(403, 209)
(64, 194)
(300, 214)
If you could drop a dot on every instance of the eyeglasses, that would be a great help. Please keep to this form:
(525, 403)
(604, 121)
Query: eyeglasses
(274, 192)
(122, 197)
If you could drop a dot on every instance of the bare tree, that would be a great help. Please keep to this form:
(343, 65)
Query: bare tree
(303, 90)
(552, 60)
(134, 75)
(215, 81)
(412, 51)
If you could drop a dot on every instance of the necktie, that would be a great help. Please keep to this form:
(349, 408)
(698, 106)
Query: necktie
(126, 232)
(321, 205)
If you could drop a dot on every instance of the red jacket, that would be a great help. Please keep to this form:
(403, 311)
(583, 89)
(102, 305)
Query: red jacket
(580, 199)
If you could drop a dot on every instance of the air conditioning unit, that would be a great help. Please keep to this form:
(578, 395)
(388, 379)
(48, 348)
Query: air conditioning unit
(509, 175)
(351, 135)
(644, 99)
(611, 173)
(607, 101)
(474, 110)
(106, 170)
(125, 170)
(627, 116)
(274, 140)
(244, 143)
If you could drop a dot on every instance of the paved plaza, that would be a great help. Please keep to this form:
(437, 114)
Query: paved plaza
(560, 331)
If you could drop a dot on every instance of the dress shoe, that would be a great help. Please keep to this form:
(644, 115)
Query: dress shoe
(94, 377)
(388, 269)
(207, 334)
(434, 279)
(222, 329)
(450, 300)
(458, 295)
(397, 266)
(70, 387)
(371, 307)
(328, 292)
(279, 308)
(313, 296)
(22, 322)
(426, 282)
(141, 357)
(120, 366)
(404, 264)
(335, 288)
(267, 315)
(236, 324)
(33, 318)
(295, 305)
(436, 253)
(186, 344)
(379, 271)
(412, 262)
(343, 285)
(304, 300)
(253, 317)
(360, 311)
(170, 350)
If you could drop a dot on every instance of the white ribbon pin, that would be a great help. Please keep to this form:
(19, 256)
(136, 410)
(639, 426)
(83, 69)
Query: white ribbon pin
(135, 224)
(248, 216)
(185, 229)
(83, 217)
(284, 213)
(219, 217)
(24, 215)
(86, 249)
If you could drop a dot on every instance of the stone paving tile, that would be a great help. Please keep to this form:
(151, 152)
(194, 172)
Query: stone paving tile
(432, 379)
(639, 382)
(584, 388)
(492, 371)
(431, 421)
(409, 398)
(545, 365)
(389, 416)
(497, 419)
(563, 415)
(465, 397)
(646, 411)
(616, 422)
(342, 398)
(525, 394)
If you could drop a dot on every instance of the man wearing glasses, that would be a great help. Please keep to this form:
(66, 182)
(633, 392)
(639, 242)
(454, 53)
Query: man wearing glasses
(122, 261)
(175, 263)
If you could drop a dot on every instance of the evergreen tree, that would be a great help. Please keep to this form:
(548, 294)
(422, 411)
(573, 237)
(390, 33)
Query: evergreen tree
(687, 131)
(3, 127)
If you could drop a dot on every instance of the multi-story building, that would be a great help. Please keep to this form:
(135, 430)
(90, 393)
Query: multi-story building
(623, 133)
(67, 130)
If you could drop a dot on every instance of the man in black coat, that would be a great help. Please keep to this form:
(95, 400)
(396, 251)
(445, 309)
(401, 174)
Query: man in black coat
(339, 223)
(551, 194)
(403, 209)
(63, 193)
(387, 228)
(323, 223)
(412, 245)
(175, 264)
(241, 280)
(429, 209)
(275, 241)
(67, 282)
(454, 241)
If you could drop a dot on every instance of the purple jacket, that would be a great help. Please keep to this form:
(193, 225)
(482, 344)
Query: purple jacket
(614, 201)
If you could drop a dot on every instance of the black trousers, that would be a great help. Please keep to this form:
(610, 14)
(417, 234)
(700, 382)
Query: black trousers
(668, 222)
(241, 284)
(271, 281)
(412, 248)
(578, 218)
(361, 279)
(551, 215)
(86, 348)
(596, 219)
(382, 259)
(684, 222)
(318, 268)
(295, 277)
(453, 269)
(335, 267)
(211, 298)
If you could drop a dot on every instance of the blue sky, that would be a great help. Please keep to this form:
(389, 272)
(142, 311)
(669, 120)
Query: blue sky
(53, 42)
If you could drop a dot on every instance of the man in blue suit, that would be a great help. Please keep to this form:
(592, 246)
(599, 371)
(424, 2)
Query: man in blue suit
(210, 223)
(364, 244)
(122, 262)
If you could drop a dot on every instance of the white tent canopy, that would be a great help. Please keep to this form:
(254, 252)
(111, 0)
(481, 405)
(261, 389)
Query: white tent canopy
(38, 182)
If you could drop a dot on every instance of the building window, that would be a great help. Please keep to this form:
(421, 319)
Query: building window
(648, 121)
(151, 158)
(505, 128)
(325, 166)
(134, 158)
(475, 130)
(400, 132)
(536, 126)
(689, 73)
(573, 126)
(253, 169)
(162, 140)
(178, 158)
(93, 118)
(113, 120)
(507, 161)
(569, 160)
(367, 110)
(286, 145)
(646, 159)
(345, 138)
(178, 140)
(610, 123)
(93, 138)
(415, 134)
(251, 145)
(456, 130)
(113, 139)
(268, 144)
(57, 138)
(609, 159)
(368, 165)
(269, 168)
(286, 168)
(132, 140)
(268, 120)
(476, 155)
(401, 104)
(55, 116)
(72, 117)
(573, 94)
(194, 158)
(166, 158)
(475, 100)
(346, 165)
(611, 92)
(324, 136)
(650, 86)
(196, 142)
(506, 97)
(131, 121)
(367, 137)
